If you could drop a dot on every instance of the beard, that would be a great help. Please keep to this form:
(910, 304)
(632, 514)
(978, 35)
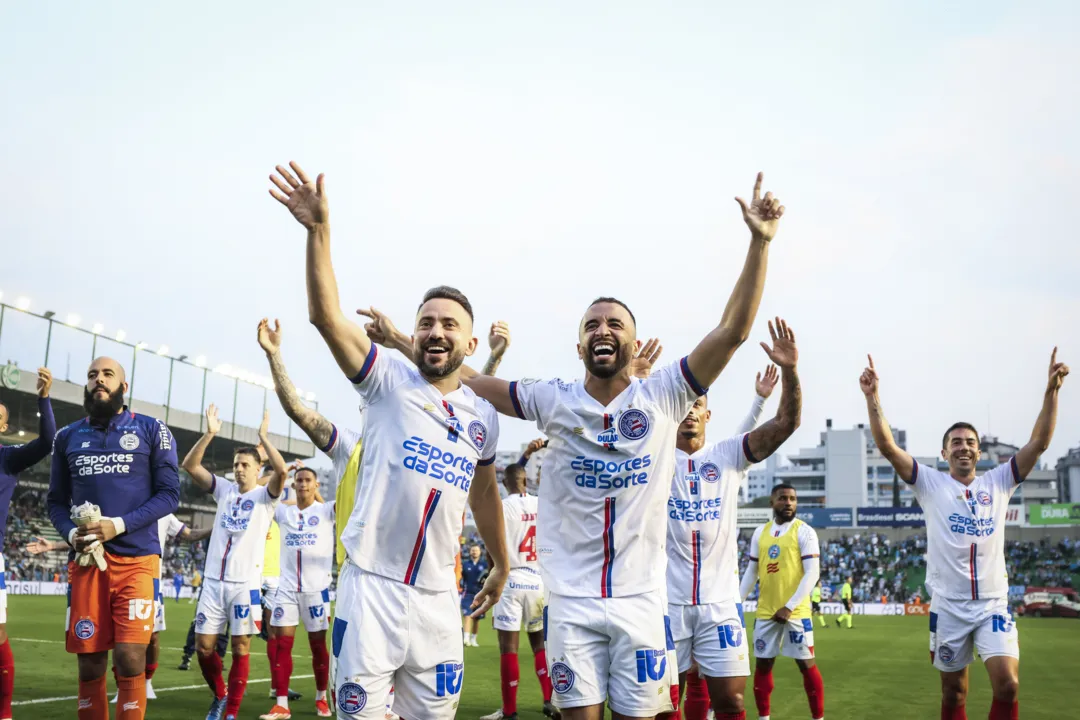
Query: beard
(455, 357)
(103, 409)
(622, 360)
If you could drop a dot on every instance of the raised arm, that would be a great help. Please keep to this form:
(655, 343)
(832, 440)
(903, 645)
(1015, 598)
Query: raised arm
(487, 510)
(1043, 432)
(192, 464)
(903, 463)
(499, 343)
(307, 202)
(763, 441)
(763, 387)
(277, 480)
(762, 215)
(314, 425)
(20, 457)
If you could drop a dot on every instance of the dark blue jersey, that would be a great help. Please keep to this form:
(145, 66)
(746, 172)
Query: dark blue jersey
(16, 458)
(471, 572)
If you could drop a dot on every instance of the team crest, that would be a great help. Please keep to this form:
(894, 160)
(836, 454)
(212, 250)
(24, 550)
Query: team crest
(984, 498)
(351, 698)
(279, 612)
(774, 552)
(247, 505)
(759, 645)
(634, 424)
(562, 677)
(129, 441)
(313, 521)
(200, 619)
(85, 629)
(478, 434)
(709, 472)
(946, 654)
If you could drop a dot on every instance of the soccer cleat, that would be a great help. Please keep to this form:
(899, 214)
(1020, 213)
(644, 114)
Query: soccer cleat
(150, 694)
(217, 707)
(499, 715)
(322, 709)
(551, 711)
(293, 695)
(115, 698)
(277, 713)
(185, 664)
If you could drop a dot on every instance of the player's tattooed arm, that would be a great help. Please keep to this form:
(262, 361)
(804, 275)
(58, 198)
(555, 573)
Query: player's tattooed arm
(194, 535)
(499, 342)
(764, 441)
(277, 480)
(1043, 431)
(486, 504)
(314, 425)
(307, 201)
(192, 464)
(902, 463)
(762, 215)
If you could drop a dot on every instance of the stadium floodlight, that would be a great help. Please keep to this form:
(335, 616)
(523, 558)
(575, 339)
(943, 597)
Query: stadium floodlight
(22, 302)
(225, 369)
(140, 345)
(163, 350)
(21, 433)
(1, 294)
(73, 320)
(310, 397)
(200, 361)
(120, 335)
(97, 329)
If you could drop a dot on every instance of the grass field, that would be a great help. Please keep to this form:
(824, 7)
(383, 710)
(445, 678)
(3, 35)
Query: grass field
(879, 669)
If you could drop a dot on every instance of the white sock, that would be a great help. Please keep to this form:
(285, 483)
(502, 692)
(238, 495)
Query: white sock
(283, 700)
(320, 695)
(473, 636)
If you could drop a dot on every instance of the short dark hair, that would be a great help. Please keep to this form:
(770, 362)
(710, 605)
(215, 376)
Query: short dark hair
(514, 470)
(249, 451)
(957, 426)
(307, 469)
(615, 301)
(781, 486)
(445, 292)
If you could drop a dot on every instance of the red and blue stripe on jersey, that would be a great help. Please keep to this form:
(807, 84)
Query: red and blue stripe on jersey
(695, 543)
(421, 537)
(609, 547)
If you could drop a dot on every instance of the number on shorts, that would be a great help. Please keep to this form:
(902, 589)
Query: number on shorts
(528, 545)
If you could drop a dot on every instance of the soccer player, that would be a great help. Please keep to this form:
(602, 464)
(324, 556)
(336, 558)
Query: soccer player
(429, 445)
(601, 525)
(523, 600)
(845, 598)
(965, 559)
(473, 569)
(785, 562)
(178, 583)
(230, 597)
(815, 606)
(125, 464)
(13, 460)
(707, 622)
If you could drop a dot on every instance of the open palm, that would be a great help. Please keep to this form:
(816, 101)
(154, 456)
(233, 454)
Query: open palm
(269, 340)
(783, 351)
(213, 422)
(305, 199)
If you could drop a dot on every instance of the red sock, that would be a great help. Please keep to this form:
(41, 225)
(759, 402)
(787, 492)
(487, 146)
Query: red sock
(509, 674)
(1005, 710)
(284, 665)
(272, 645)
(7, 679)
(320, 661)
(741, 715)
(238, 677)
(540, 663)
(953, 712)
(696, 702)
(763, 687)
(815, 691)
(93, 700)
(211, 671)
(150, 670)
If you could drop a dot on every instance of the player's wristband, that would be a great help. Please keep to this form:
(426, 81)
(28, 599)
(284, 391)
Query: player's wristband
(118, 523)
(71, 536)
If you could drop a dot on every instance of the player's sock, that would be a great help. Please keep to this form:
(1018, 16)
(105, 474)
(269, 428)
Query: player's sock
(815, 691)
(509, 674)
(540, 664)
(7, 679)
(320, 664)
(238, 677)
(284, 669)
(131, 703)
(1005, 710)
(953, 712)
(93, 700)
(696, 702)
(741, 715)
(821, 619)
(763, 687)
(211, 671)
(150, 670)
(272, 645)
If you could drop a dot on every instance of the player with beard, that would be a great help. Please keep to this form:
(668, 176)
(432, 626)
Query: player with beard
(429, 445)
(601, 523)
(124, 463)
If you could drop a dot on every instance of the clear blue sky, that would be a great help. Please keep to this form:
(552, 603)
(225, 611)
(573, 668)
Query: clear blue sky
(539, 154)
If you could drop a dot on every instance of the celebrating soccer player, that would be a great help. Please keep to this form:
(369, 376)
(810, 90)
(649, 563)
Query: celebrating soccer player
(430, 445)
(702, 541)
(965, 536)
(785, 563)
(114, 475)
(234, 561)
(600, 524)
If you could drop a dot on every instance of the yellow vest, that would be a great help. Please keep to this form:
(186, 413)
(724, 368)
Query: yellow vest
(272, 554)
(780, 571)
(345, 497)
(845, 591)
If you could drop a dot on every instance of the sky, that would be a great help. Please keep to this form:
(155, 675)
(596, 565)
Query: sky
(537, 155)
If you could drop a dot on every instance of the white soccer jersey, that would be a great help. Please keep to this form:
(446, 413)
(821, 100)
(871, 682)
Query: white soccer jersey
(421, 450)
(600, 525)
(702, 540)
(168, 528)
(307, 546)
(519, 518)
(238, 542)
(965, 531)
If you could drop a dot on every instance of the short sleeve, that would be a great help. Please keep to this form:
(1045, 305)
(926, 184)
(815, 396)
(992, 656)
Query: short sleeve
(264, 497)
(535, 400)
(343, 442)
(922, 479)
(754, 543)
(219, 487)
(491, 437)
(674, 389)
(379, 376)
(808, 542)
(1005, 477)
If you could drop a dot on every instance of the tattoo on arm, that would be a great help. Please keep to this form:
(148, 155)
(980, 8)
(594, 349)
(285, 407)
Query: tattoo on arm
(317, 427)
(765, 440)
(491, 365)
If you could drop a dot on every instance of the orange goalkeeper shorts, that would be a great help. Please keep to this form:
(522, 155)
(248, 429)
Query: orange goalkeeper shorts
(114, 606)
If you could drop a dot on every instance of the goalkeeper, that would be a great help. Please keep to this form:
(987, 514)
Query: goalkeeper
(114, 475)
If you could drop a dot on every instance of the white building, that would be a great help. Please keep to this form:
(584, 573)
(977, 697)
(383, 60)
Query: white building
(1068, 477)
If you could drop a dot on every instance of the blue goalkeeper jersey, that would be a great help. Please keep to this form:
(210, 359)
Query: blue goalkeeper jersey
(16, 458)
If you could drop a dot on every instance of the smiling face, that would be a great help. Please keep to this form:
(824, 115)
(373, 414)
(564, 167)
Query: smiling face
(960, 448)
(443, 338)
(607, 339)
(103, 395)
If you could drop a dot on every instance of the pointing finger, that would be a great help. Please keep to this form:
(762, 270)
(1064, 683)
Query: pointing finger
(757, 185)
(868, 357)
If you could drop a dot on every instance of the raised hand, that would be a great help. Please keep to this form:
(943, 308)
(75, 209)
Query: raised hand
(499, 338)
(379, 330)
(1058, 371)
(868, 381)
(213, 422)
(762, 214)
(269, 340)
(264, 426)
(534, 446)
(306, 200)
(642, 364)
(783, 352)
(765, 383)
(44, 382)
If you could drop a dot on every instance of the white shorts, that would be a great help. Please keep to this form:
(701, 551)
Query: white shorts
(3, 591)
(387, 633)
(956, 626)
(269, 589)
(290, 607)
(233, 603)
(614, 650)
(793, 639)
(522, 600)
(713, 635)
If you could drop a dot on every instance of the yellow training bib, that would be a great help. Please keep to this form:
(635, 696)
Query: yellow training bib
(345, 497)
(780, 571)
